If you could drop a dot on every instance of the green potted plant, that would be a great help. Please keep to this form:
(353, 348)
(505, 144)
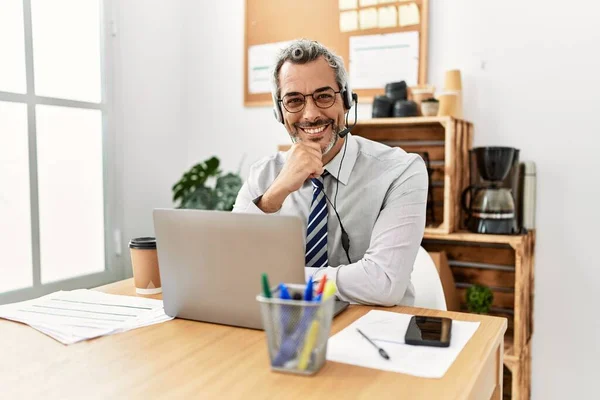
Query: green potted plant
(193, 191)
(479, 299)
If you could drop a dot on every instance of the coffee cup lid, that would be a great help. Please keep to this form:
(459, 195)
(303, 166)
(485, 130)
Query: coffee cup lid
(143, 243)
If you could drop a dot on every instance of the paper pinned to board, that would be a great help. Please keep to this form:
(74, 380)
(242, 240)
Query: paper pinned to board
(260, 60)
(387, 17)
(368, 18)
(348, 21)
(76, 315)
(379, 59)
(348, 4)
(387, 330)
(409, 15)
(367, 3)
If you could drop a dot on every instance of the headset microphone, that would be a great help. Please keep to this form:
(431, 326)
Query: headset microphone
(344, 132)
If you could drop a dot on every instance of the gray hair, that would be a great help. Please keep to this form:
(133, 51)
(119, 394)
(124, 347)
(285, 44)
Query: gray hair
(303, 51)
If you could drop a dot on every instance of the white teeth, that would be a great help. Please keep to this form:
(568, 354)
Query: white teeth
(315, 130)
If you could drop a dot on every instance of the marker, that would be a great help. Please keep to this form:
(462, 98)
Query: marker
(329, 290)
(311, 336)
(308, 293)
(309, 344)
(322, 284)
(284, 294)
(265, 286)
(382, 352)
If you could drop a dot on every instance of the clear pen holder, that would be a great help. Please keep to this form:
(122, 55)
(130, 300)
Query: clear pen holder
(297, 331)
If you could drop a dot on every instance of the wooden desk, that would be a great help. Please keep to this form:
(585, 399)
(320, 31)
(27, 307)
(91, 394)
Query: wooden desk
(185, 359)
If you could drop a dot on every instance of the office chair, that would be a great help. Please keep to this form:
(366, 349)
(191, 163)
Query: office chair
(425, 278)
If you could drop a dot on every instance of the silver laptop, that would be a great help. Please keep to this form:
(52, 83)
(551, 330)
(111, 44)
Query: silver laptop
(211, 262)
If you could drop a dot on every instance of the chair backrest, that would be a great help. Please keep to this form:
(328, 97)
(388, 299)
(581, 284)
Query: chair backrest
(425, 278)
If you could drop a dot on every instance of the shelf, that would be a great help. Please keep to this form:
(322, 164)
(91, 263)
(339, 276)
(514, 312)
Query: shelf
(403, 121)
(464, 236)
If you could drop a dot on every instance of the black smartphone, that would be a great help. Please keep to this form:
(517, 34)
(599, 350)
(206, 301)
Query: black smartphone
(428, 331)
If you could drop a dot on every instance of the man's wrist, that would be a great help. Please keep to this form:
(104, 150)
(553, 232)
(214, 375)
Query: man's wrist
(272, 200)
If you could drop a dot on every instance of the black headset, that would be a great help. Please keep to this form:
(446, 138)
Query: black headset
(349, 97)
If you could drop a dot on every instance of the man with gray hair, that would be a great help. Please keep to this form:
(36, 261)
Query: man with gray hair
(366, 239)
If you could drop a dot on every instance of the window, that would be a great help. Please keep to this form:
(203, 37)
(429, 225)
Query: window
(55, 135)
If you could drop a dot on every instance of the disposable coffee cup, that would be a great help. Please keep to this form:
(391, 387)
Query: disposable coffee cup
(453, 80)
(449, 104)
(144, 262)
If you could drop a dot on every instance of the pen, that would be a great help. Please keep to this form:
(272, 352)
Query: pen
(265, 286)
(308, 293)
(381, 351)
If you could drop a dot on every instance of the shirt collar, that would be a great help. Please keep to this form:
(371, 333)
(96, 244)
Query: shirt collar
(333, 166)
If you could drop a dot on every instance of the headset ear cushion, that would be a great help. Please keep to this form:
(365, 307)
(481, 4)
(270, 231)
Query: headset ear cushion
(276, 114)
(277, 110)
(347, 96)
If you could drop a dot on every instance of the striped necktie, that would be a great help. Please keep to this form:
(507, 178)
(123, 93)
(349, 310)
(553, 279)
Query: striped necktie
(316, 230)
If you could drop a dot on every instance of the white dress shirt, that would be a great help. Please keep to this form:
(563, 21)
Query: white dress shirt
(382, 203)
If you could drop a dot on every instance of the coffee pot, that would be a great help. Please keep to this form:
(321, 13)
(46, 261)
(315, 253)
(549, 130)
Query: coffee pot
(489, 202)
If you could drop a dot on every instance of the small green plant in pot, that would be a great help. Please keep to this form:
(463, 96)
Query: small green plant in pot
(192, 191)
(479, 299)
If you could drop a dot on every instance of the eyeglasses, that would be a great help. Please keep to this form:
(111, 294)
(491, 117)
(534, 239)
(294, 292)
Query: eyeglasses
(295, 102)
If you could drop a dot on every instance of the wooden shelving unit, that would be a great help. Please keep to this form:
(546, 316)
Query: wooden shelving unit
(445, 143)
(505, 264)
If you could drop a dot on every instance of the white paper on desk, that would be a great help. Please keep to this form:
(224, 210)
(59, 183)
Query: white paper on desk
(73, 316)
(379, 59)
(387, 329)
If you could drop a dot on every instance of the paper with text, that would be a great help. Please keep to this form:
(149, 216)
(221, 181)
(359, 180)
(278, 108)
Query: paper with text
(260, 61)
(379, 59)
(73, 316)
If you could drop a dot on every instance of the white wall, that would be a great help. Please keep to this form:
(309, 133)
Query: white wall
(537, 91)
(148, 110)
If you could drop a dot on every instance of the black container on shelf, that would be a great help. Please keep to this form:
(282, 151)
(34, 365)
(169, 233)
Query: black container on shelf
(396, 90)
(382, 107)
(405, 108)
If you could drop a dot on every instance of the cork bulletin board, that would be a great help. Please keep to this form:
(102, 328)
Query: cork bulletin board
(380, 40)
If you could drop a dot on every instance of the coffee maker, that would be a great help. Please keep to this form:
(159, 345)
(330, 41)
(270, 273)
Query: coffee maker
(489, 201)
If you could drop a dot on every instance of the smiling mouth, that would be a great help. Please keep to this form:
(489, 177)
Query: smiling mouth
(315, 130)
